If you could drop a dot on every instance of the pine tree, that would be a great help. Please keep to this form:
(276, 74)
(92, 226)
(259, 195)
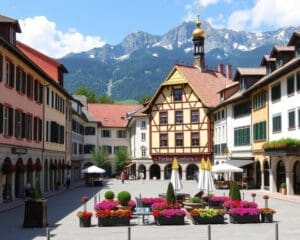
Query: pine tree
(235, 193)
(170, 194)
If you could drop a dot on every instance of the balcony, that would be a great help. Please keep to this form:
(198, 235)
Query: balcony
(283, 147)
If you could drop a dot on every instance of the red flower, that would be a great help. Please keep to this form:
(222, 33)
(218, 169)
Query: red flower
(84, 214)
(113, 213)
(253, 194)
(266, 197)
(156, 213)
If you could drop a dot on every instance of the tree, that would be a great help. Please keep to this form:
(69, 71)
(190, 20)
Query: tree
(121, 159)
(100, 157)
(170, 197)
(145, 98)
(105, 99)
(90, 95)
(234, 192)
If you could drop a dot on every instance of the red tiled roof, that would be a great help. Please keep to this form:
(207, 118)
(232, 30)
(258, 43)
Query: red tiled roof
(205, 84)
(48, 64)
(112, 115)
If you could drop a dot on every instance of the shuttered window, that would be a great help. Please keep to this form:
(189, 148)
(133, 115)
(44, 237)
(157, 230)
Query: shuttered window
(241, 109)
(259, 131)
(242, 136)
(40, 137)
(18, 79)
(24, 82)
(35, 128)
(29, 86)
(10, 122)
(18, 124)
(276, 121)
(23, 124)
(36, 90)
(41, 91)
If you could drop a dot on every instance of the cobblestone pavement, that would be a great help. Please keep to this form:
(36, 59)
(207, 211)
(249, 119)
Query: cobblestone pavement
(62, 218)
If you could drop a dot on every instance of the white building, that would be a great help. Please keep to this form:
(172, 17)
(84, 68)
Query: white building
(139, 143)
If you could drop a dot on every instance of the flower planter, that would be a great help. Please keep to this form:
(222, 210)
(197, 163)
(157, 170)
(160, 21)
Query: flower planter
(35, 213)
(114, 221)
(283, 191)
(84, 222)
(244, 219)
(206, 220)
(267, 217)
(177, 220)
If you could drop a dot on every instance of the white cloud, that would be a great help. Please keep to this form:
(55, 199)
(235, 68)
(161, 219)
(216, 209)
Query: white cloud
(271, 13)
(217, 22)
(205, 3)
(42, 34)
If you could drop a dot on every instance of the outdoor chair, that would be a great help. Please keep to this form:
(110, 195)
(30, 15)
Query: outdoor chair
(142, 211)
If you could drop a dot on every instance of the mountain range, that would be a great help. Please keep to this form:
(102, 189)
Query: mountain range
(138, 64)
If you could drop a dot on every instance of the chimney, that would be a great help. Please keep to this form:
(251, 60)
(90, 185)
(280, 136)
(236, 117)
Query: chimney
(221, 69)
(228, 71)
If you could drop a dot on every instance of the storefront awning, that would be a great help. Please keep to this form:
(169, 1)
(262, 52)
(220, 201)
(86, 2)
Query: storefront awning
(239, 162)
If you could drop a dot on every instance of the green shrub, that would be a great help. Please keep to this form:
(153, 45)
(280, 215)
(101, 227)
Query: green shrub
(109, 195)
(235, 193)
(282, 143)
(196, 200)
(283, 185)
(124, 198)
(37, 193)
(170, 197)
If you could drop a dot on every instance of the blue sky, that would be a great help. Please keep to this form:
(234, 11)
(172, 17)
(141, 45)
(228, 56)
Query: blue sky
(91, 23)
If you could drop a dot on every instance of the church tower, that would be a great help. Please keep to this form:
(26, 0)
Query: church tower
(198, 41)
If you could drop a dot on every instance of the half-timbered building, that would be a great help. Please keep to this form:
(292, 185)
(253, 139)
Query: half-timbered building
(179, 114)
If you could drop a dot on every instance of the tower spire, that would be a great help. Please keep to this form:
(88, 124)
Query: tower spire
(198, 41)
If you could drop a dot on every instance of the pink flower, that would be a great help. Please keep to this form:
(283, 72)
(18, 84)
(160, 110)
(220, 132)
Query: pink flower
(219, 198)
(151, 200)
(243, 211)
(169, 213)
(106, 205)
(132, 203)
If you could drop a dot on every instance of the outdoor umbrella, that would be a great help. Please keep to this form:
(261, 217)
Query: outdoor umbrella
(175, 178)
(93, 169)
(225, 168)
(205, 183)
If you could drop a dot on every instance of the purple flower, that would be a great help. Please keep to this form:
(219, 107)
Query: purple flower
(151, 200)
(169, 213)
(243, 211)
(219, 198)
(106, 205)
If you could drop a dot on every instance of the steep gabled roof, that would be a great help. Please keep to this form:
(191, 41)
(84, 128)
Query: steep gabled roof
(206, 85)
(48, 64)
(249, 71)
(112, 115)
(296, 34)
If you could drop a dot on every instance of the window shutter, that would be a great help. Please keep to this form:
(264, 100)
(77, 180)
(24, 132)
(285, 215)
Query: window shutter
(52, 130)
(48, 95)
(40, 130)
(36, 89)
(23, 124)
(35, 128)
(18, 76)
(1, 68)
(62, 134)
(11, 75)
(1, 115)
(10, 122)
(16, 123)
(41, 92)
(24, 82)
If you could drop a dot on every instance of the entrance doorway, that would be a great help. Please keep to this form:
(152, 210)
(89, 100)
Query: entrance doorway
(280, 174)
(154, 171)
(192, 172)
(296, 174)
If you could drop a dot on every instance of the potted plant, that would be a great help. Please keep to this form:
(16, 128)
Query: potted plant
(109, 195)
(244, 215)
(148, 201)
(107, 205)
(194, 202)
(267, 215)
(168, 212)
(118, 217)
(84, 218)
(217, 201)
(124, 197)
(283, 188)
(36, 209)
(207, 216)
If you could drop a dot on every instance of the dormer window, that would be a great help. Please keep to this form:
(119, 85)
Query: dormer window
(269, 68)
(279, 62)
(242, 84)
(297, 49)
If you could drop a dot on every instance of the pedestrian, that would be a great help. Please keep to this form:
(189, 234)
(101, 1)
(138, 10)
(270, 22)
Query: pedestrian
(142, 176)
(122, 177)
(28, 189)
(68, 181)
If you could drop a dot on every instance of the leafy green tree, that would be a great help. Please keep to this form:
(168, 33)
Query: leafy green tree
(90, 95)
(121, 159)
(235, 193)
(100, 157)
(145, 98)
(105, 99)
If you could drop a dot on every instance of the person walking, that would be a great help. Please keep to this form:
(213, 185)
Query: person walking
(68, 181)
(122, 177)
